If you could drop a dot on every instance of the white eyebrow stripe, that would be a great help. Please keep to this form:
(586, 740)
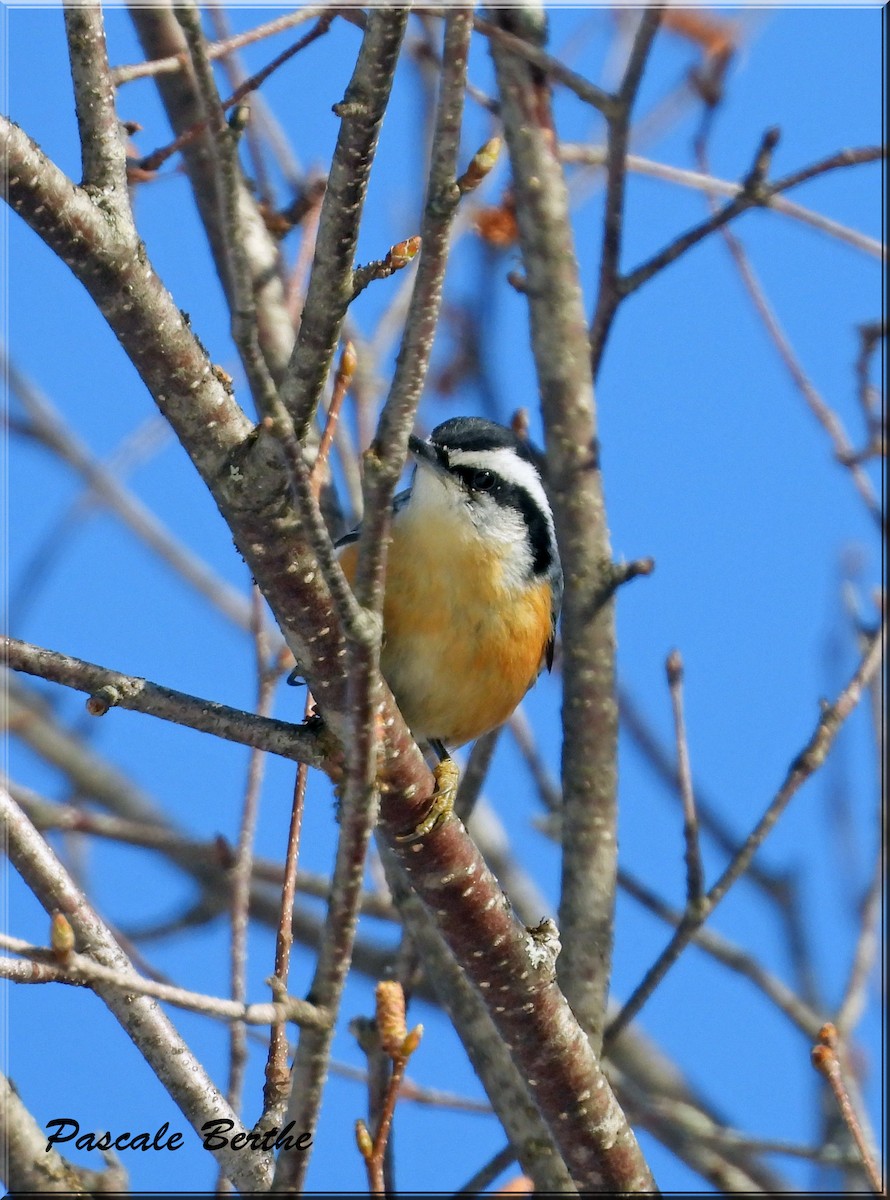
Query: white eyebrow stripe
(509, 466)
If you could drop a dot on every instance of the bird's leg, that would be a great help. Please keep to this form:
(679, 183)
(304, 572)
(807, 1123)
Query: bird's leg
(447, 774)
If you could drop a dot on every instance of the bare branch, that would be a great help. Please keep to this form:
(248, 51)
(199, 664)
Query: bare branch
(173, 63)
(330, 284)
(807, 762)
(694, 870)
(551, 66)
(101, 142)
(113, 689)
(166, 1053)
(590, 716)
(826, 416)
(618, 117)
(748, 197)
(38, 964)
(826, 1060)
(597, 156)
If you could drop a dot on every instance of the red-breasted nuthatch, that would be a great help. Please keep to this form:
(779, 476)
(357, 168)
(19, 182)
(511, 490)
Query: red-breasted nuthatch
(473, 588)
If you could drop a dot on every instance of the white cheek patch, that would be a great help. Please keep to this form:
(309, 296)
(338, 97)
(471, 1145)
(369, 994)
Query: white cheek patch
(441, 503)
(511, 467)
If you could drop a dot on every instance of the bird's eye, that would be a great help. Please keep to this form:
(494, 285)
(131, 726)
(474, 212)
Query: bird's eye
(482, 481)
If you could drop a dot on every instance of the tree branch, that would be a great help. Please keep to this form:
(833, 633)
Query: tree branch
(164, 1050)
(102, 150)
(618, 118)
(754, 194)
(330, 282)
(590, 716)
(113, 689)
(806, 763)
(38, 965)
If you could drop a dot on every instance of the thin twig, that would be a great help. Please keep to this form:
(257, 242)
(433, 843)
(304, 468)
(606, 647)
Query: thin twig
(824, 414)
(868, 944)
(695, 877)
(870, 336)
(805, 764)
(342, 380)
(803, 1015)
(597, 156)
(242, 868)
(551, 66)
(151, 162)
(826, 1060)
(38, 964)
(219, 49)
(748, 197)
(482, 1180)
(618, 117)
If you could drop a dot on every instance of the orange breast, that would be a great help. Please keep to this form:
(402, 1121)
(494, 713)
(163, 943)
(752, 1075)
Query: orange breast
(461, 644)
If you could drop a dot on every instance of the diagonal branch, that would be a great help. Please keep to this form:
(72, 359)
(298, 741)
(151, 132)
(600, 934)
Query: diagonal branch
(755, 193)
(608, 294)
(151, 1031)
(330, 283)
(805, 764)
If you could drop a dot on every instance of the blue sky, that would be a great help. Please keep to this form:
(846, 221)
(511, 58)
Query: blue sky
(712, 465)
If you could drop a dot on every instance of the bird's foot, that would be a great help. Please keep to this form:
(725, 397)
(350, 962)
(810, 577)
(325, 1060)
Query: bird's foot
(446, 774)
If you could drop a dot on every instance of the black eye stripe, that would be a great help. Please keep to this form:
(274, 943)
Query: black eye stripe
(513, 495)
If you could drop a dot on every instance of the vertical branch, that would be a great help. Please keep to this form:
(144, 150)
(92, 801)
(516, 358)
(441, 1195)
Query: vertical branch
(229, 184)
(590, 717)
(384, 461)
(161, 37)
(277, 1071)
(102, 151)
(358, 813)
(695, 876)
(242, 871)
(359, 793)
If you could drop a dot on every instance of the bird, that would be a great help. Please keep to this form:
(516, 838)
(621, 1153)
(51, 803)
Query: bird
(472, 591)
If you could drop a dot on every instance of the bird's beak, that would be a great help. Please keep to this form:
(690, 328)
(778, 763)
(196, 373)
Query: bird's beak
(425, 453)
